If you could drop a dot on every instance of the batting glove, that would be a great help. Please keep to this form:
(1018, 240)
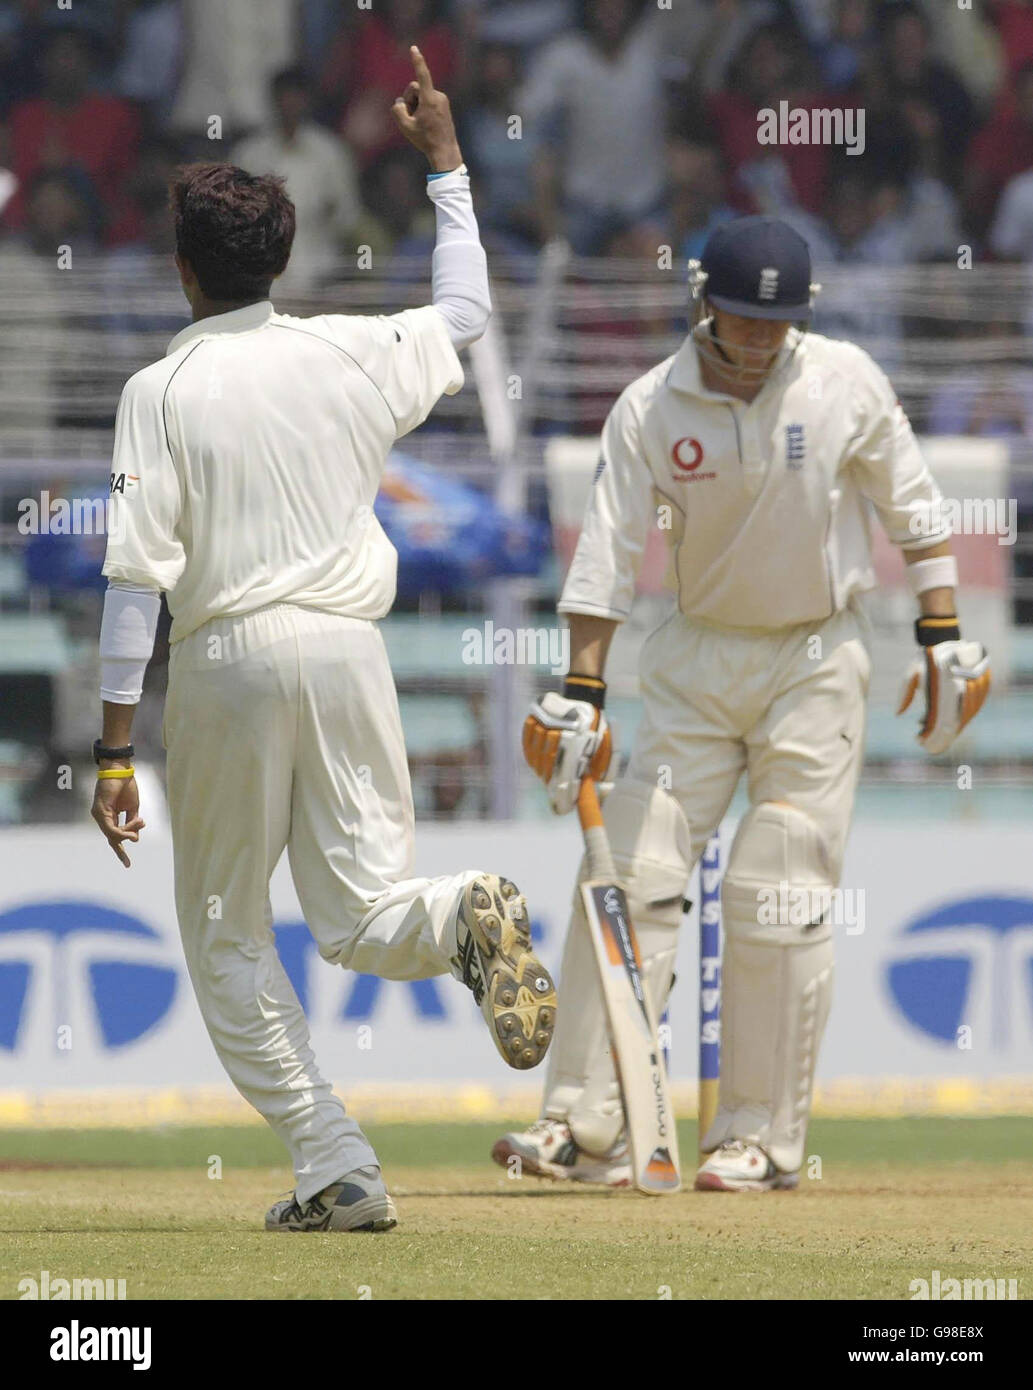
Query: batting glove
(567, 738)
(953, 677)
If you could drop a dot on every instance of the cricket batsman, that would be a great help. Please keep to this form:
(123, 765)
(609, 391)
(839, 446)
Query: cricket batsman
(757, 448)
(246, 464)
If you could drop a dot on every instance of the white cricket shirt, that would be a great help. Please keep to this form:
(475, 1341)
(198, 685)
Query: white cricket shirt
(246, 462)
(764, 505)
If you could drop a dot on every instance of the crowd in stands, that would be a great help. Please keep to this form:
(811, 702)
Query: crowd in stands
(591, 118)
(622, 125)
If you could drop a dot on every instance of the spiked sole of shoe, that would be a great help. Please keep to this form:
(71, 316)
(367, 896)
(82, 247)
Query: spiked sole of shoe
(519, 1001)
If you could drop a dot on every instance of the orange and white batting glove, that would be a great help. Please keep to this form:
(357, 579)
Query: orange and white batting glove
(953, 677)
(567, 738)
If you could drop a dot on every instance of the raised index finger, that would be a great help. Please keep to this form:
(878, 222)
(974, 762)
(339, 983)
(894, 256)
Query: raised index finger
(423, 76)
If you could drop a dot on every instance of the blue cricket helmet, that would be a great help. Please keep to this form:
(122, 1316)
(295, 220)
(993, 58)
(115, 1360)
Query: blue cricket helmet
(758, 267)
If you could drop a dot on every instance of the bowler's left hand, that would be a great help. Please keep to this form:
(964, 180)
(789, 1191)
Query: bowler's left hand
(112, 798)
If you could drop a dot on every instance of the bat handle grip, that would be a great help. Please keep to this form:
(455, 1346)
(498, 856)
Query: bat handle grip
(589, 812)
(597, 844)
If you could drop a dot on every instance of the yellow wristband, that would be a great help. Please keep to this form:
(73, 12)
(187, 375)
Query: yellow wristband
(121, 773)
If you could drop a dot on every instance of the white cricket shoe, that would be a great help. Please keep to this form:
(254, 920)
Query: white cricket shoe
(547, 1149)
(740, 1167)
(496, 962)
(358, 1202)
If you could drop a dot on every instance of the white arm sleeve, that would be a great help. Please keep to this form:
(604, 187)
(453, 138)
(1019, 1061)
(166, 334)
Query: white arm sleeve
(459, 274)
(621, 508)
(127, 640)
(888, 466)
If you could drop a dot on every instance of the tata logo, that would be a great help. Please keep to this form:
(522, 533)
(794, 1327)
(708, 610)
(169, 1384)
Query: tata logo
(81, 963)
(969, 964)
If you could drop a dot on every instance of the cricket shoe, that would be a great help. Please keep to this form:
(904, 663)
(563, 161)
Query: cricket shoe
(547, 1149)
(740, 1167)
(359, 1202)
(496, 962)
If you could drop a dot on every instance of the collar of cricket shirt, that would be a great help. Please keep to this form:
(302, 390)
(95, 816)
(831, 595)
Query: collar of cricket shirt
(236, 321)
(684, 373)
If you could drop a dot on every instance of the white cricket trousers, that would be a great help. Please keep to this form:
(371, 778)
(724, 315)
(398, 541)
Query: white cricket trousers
(282, 730)
(787, 708)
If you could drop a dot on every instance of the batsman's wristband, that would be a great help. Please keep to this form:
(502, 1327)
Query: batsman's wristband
(100, 753)
(591, 689)
(940, 572)
(121, 774)
(929, 631)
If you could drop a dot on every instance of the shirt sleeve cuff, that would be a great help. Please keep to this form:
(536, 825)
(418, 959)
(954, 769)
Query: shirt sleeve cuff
(448, 180)
(592, 610)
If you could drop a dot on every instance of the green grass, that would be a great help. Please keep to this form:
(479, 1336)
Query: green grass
(882, 1142)
(895, 1200)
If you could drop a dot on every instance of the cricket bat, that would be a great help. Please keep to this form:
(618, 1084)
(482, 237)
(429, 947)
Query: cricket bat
(652, 1136)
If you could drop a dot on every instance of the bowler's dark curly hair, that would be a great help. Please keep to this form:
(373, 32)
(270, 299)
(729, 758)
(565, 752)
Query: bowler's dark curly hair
(235, 228)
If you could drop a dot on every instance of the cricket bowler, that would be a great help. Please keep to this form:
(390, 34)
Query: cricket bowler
(246, 464)
(757, 447)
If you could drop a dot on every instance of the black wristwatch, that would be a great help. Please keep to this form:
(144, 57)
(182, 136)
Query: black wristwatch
(100, 752)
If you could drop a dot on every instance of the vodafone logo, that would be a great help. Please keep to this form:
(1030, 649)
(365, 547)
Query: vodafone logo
(687, 455)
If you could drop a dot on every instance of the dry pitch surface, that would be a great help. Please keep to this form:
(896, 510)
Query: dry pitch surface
(896, 1199)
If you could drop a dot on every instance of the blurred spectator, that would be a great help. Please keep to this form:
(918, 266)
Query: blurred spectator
(148, 71)
(514, 23)
(969, 42)
(149, 193)
(34, 298)
(57, 214)
(369, 66)
(23, 28)
(844, 38)
(1014, 21)
(864, 218)
(232, 48)
(398, 212)
(615, 344)
(596, 102)
(914, 76)
(887, 209)
(319, 22)
(320, 174)
(772, 66)
(994, 399)
(72, 128)
(998, 404)
(1000, 151)
(133, 272)
(697, 194)
(698, 39)
(910, 138)
(1011, 235)
(501, 156)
